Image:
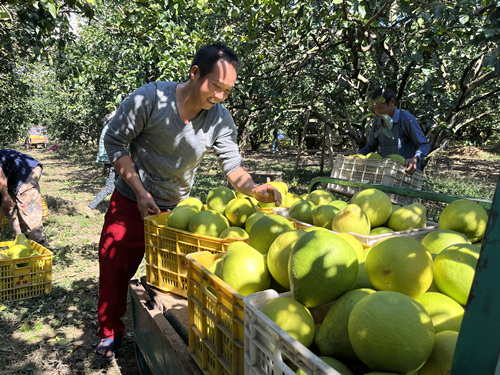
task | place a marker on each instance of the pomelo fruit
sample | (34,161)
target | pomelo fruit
(445,312)
(194,202)
(374,155)
(282,188)
(238,210)
(362,280)
(380,230)
(411,216)
(438,240)
(180,217)
(339,204)
(320,197)
(292,317)
(216,266)
(351,219)
(396,157)
(441,358)
(245,269)
(334,364)
(208,223)
(290,199)
(400,264)
(375,203)
(332,338)
(21,239)
(356,245)
(17,251)
(234,232)
(323,215)
(252,199)
(465,216)
(391,332)
(265,230)
(302,211)
(322,267)
(253,218)
(279,254)
(454,270)
(218,198)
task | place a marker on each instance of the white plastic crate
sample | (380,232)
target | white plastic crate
(268,347)
(375,171)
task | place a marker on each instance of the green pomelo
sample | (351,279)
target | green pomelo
(253,218)
(238,210)
(290,199)
(441,358)
(320,197)
(391,332)
(454,270)
(339,204)
(17,251)
(279,254)
(21,239)
(265,230)
(334,364)
(465,216)
(332,338)
(194,202)
(412,216)
(216,266)
(218,198)
(323,215)
(375,203)
(362,280)
(208,223)
(180,217)
(322,266)
(233,232)
(438,240)
(302,211)
(356,245)
(292,317)
(351,219)
(380,230)
(374,155)
(445,312)
(245,269)
(396,157)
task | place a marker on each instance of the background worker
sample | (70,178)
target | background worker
(20,192)
(156,142)
(408,138)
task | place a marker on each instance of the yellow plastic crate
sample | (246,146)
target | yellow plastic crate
(216,313)
(45,215)
(384,172)
(30,280)
(166,249)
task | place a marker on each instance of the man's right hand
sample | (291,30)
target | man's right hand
(146,205)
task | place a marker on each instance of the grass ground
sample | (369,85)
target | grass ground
(56,333)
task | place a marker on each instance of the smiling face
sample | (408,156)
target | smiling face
(214,87)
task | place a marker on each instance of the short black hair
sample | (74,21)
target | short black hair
(207,56)
(383,92)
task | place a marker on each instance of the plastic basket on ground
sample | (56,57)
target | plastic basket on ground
(25,277)
(216,313)
(166,250)
(268,348)
(374,171)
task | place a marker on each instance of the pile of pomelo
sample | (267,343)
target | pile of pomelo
(395,307)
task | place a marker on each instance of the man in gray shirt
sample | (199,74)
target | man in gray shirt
(156,142)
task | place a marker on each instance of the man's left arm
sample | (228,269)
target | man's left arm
(6,199)
(244,183)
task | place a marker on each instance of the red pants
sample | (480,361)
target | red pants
(121,249)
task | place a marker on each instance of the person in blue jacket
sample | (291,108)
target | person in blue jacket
(408,139)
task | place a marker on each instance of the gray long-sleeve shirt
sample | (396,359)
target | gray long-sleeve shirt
(166,152)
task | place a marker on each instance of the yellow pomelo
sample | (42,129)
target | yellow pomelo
(292,317)
(216,266)
(310,229)
(356,245)
(252,199)
(17,251)
(265,230)
(334,364)
(396,157)
(361,156)
(464,216)
(194,202)
(375,203)
(218,198)
(339,204)
(278,255)
(380,230)
(391,332)
(302,211)
(441,358)
(208,223)
(253,218)
(282,188)
(238,210)
(290,199)
(245,269)
(322,267)
(351,219)
(454,270)
(411,216)
(21,239)
(320,197)
(180,217)
(438,240)
(332,338)
(445,312)
(374,155)
(233,232)
(304,196)
(400,264)
(323,215)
